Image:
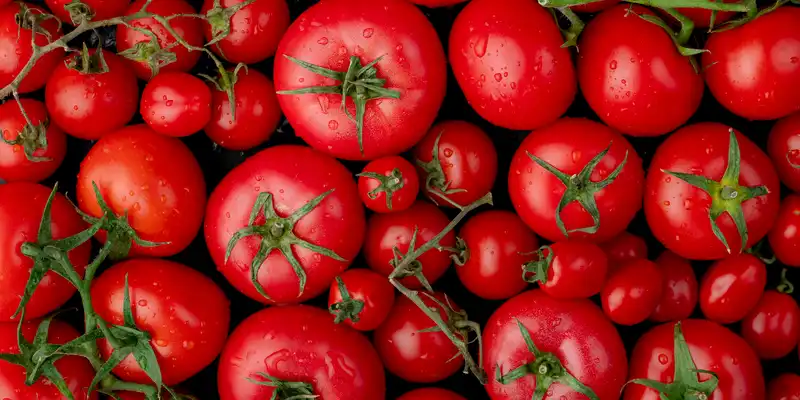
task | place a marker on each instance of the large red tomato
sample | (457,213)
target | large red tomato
(253,31)
(29,152)
(784,237)
(783,147)
(16,49)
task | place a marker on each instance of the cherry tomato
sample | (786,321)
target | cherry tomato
(374,293)
(783,237)
(29,153)
(772,327)
(388,184)
(254,30)
(577,270)
(702,17)
(784,387)
(732,287)
(623,248)
(176,104)
(100,9)
(632,292)
(430,394)
(784,150)
(16,50)
(595,6)
(679,297)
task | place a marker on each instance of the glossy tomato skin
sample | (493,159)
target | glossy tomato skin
(21,208)
(413,63)
(255,30)
(633,76)
(402,198)
(702,17)
(677,212)
(732,287)
(712,346)
(14,165)
(386,231)
(772,327)
(87,106)
(623,248)
(578,270)
(430,394)
(102,9)
(569,144)
(184,311)
(632,292)
(594,7)
(576,331)
(753,69)
(176,104)
(299,344)
(154,178)
(15,43)
(679,297)
(294,175)
(784,387)
(783,237)
(498,243)
(507,58)
(783,147)
(369,287)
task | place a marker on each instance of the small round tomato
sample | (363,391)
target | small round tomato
(785,387)
(783,147)
(251,33)
(388,184)
(772,327)
(176,104)
(784,237)
(496,244)
(99,9)
(679,297)
(595,6)
(732,287)
(16,49)
(185,313)
(702,17)
(29,152)
(457,162)
(623,248)
(365,301)
(430,394)
(632,292)
(570,270)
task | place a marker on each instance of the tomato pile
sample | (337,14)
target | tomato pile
(359,199)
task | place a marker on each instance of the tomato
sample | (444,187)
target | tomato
(678,213)
(253,30)
(507,58)
(100,9)
(702,17)
(88,102)
(437,3)
(29,153)
(430,394)
(594,7)
(388,184)
(783,237)
(783,147)
(496,245)
(385,232)
(184,312)
(732,287)
(143,57)
(753,69)
(299,344)
(679,296)
(573,334)
(16,50)
(21,209)
(350,34)
(785,387)
(305,202)
(623,248)
(153,180)
(369,299)
(632,292)
(772,327)
(570,270)
(176,104)
(457,161)
(570,146)
(712,348)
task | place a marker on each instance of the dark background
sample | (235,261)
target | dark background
(216,163)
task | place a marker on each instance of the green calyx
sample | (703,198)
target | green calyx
(225,82)
(457,322)
(32,138)
(388,184)
(219,18)
(576,25)
(727,195)
(461,252)
(150,52)
(348,308)
(359,82)
(32,19)
(413,268)
(79,12)
(87,63)
(285,390)
(786,286)
(435,180)
(752,13)
(536,270)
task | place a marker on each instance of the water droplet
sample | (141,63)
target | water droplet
(399,47)
(513,85)
(663,359)
(136,206)
(795,60)
(613,64)
(323,41)
(367,33)
(624,82)
(161,343)
(142,303)
(333,125)
(169,103)
(666,203)
(668,179)
(188,344)
(448,152)
(498,77)
(480,46)
(687,204)
(576,155)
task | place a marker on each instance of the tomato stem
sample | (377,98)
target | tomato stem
(786,286)
(348,308)
(704,4)
(536,270)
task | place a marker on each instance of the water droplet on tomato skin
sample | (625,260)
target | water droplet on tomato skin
(333,125)
(663,359)
(323,41)
(498,77)
(613,64)
(367,33)
(161,343)
(142,303)
(480,46)
(666,203)
(448,152)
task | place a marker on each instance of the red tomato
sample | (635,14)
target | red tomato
(21,208)
(176,104)
(772,327)
(184,312)
(783,237)
(430,394)
(29,153)
(574,334)
(396,230)
(784,150)
(632,292)
(153,179)
(16,50)
(190,29)
(732,287)
(753,69)
(678,213)
(784,387)
(371,297)
(633,76)
(437,3)
(497,244)
(90,103)
(253,30)
(679,297)
(456,160)
(571,269)
(100,9)
(594,7)
(570,146)
(507,58)
(299,344)
(702,17)
(340,33)
(388,184)
(287,178)
(623,248)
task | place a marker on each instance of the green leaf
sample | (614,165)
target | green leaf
(146,358)
(114,359)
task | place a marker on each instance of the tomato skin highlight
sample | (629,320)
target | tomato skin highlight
(623,248)
(632,292)
(772,327)
(14,164)
(176,104)
(369,287)
(578,270)
(250,42)
(785,387)
(402,198)
(783,147)
(430,394)
(732,287)
(16,50)
(783,238)
(679,297)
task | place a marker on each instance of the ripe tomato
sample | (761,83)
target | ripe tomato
(783,147)
(753,69)
(100,9)
(744,186)
(16,49)
(437,3)
(176,104)
(496,246)
(456,160)
(784,387)
(632,292)
(430,394)
(88,102)
(600,196)
(253,30)
(184,312)
(594,7)
(29,153)
(679,297)
(341,35)
(783,237)
(732,287)
(772,327)
(369,299)
(623,248)
(142,54)
(307,213)
(574,335)
(507,58)
(702,17)
(153,179)
(385,232)
(388,184)
(21,209)
(299,344)
(570,270)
